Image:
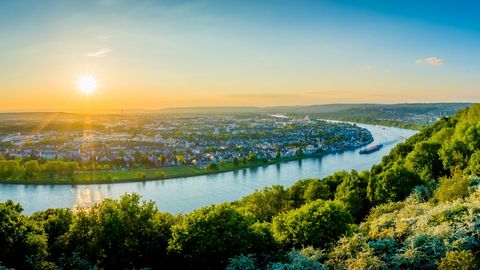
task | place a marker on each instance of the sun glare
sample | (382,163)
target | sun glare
(87,84)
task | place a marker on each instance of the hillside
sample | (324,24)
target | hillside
(321,108)
(408,115)
(418,209)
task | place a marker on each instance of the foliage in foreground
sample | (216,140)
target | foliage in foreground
(420,232)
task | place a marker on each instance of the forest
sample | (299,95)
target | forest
(418,209)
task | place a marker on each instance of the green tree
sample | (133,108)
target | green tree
(334,180)
(252,157)
(208,237)
(235,161)
(21,239)
(56,223)
(124,233)
(54,168)
(297,191)
(317,189)
(392,184)
(180,159)
(31,168)
(455,155)
(353,193)
(162,159)
(9,167)
(212,167)
(318,224)
(71,167)
(122,154)
(424,159)
(264,204)
(474,164)
(244,160)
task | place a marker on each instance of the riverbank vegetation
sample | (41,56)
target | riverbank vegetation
(379,121)
(418,209)
(61,172)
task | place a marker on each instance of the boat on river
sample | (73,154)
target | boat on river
(371,149)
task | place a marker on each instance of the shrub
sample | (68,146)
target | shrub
(212,167)
(297,261)
(141,175)
(242,262)
(452,188)
(458,260)
(353,253)
(426,191)
(385,247)
(160,175)
(419,252)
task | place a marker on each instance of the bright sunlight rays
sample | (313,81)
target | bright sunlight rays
(87,84)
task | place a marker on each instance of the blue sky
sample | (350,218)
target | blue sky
(192,53)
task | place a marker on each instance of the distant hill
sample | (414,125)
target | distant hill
(322,108)
(274,109)
(405,115)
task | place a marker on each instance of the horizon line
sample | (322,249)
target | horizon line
(111,111)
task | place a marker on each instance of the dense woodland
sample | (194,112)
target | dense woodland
(418,209)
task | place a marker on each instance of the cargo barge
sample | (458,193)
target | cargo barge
(371,149)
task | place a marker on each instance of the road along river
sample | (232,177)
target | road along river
(186,194)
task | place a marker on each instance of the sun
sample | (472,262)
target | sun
(87,84)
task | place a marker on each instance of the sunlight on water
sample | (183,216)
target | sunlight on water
(87,197)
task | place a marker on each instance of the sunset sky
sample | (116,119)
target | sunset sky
(156,54)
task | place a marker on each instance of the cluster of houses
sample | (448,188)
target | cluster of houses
(174,141)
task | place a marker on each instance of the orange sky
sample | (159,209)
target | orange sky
(173,54)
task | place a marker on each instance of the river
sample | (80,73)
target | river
(186,194)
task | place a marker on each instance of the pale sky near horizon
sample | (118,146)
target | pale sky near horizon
(156,54)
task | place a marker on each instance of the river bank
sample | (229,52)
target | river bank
(142,175)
